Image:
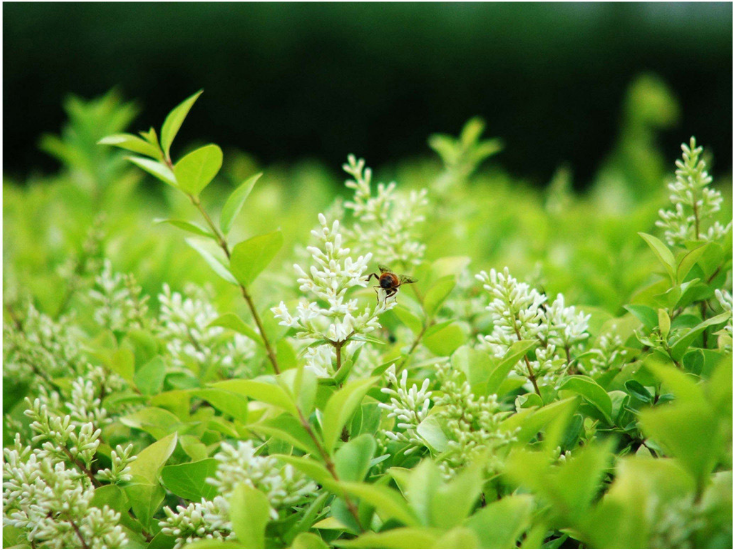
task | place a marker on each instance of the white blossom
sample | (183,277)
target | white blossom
(117,299)
(408,406)
(386,222)
(333,274)
(692,200)
(195,346)
(51,503)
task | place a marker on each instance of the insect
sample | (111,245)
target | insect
(389,282)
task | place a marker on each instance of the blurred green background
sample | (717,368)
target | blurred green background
(286,82)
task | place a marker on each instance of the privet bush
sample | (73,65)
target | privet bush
(557,376)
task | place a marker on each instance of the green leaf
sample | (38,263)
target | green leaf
(251,257)
(196,170)
(591,392)
(188,480)
(132,143)
(664,323)
(445,340)
(260,391)
(689,260)
(234,203)
(307,541)
(234,322)
(637,390)
(288,429)
(191,227)
(353,458)
(340,407)
(410,320)
(150,461)
(500,523)
(214,264)
(173,122)
(402,537)
(155,168)
(149,379)
(122,361)
(388,502)
(437,294)
(156,421)
(680,345)
(645,314)
(193,447)
(663,253)
(515,353)
(249,511)
(314,470)
(233,404)
(145,499)
(687,431)
(452,502)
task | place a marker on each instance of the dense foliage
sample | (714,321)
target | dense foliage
(252,390)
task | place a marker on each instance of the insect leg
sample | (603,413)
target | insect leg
(372,275)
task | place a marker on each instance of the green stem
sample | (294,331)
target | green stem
(329,466)
(221,240)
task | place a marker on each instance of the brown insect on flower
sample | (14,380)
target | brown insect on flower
(389,281)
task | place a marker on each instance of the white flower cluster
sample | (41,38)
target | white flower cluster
(62,437)
(520,313)
(693,201)
(199,520)
(117,299)
(51,504)
(471,423)
(676,523)
(195,346)
(284,486)
(120,471)
(725,299)
(409,406)
(40,348)
(608,353)
(386,223)
(332,276)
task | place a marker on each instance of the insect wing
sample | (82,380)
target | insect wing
(384,269)
(406,280)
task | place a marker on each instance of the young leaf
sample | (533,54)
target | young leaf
(188,480)
(191,227)
(155,168)
(515,353)
(445,340)
(340,407)
(388,502)
(437,294)
(214,264)
(250,512)
(592,392)
(150,461)
(234,322)
(354,457)
(251,257)
(173,123)
(261,391)
(645,314)
(196,170)
(132,143)
(663,253)
(234,203)
(149,379)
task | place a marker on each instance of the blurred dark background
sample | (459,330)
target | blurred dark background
(292,81)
